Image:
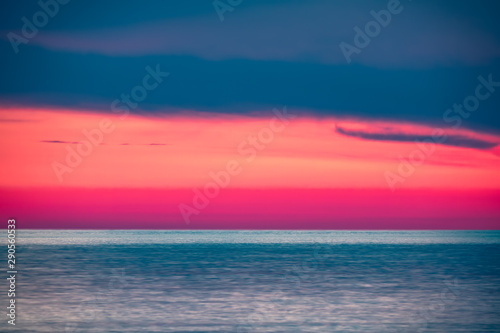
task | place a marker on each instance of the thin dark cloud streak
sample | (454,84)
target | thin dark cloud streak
(121,144)
(59,141)
(451,140)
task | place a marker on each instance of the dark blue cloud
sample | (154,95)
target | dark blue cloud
(420,34)
(280,71)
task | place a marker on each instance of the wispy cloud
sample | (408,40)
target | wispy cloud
(457,140)
(59,141)
(121,144)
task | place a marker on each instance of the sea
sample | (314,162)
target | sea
(254,281)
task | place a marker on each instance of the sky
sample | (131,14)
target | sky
(256,114)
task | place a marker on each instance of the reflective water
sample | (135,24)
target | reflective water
(257,281)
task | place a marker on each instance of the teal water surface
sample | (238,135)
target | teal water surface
(257,281)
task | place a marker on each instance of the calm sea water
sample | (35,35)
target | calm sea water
(257,281)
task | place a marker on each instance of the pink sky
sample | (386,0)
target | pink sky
(302,174)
